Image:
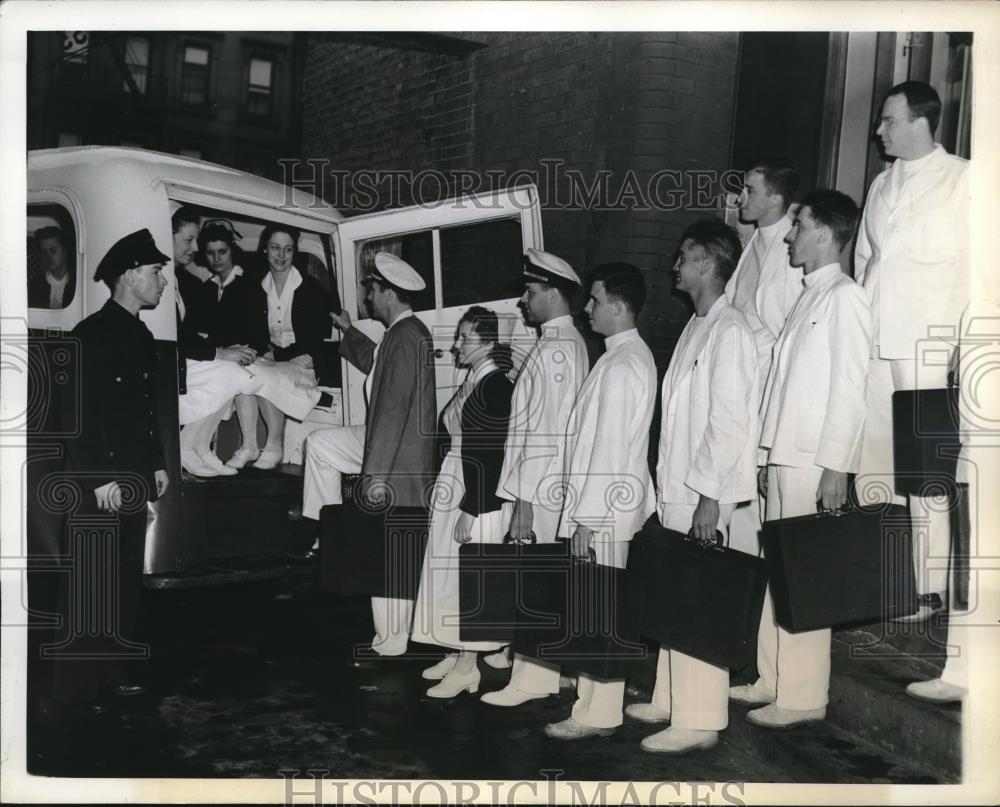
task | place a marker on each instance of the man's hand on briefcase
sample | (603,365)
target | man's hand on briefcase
(762,481)
(832,491)
(371,491)
(705,521)
(463,528)
(521,521)
(580,542)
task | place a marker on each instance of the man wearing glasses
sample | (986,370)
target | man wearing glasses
(911,259)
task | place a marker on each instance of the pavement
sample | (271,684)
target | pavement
(248,680)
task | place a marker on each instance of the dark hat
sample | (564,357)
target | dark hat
(135,249)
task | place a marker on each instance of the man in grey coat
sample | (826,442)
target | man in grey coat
(394,450)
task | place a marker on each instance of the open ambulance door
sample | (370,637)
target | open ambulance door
(468,250)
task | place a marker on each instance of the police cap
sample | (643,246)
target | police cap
(135,249)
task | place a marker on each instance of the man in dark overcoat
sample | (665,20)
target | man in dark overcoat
(115,465)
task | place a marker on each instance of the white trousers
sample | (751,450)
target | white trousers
(599,700)
(795,667)
(745,526)
(875,480)
(210,386)
(526,673)
(695,692)
(330,453)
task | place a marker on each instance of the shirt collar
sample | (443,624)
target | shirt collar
(621,338)
(403,315)
(564,321)
(481,372)
(293,282)
(233,274)
(824,274)
(54,281)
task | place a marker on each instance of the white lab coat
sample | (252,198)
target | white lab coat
(544,394)
(709,429)
(609,486)
(778,286)
(815,404)
(912,256)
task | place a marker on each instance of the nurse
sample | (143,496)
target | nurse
(465,506)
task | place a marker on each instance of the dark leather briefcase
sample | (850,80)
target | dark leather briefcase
(925,439)
(374,552)
(833,569)
(703,601)
(491,586)
(578,616)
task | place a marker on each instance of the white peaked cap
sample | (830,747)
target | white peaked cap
(546,267)
(398,272)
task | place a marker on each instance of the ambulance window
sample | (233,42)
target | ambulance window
(417,249)
(51,266)
(481,262)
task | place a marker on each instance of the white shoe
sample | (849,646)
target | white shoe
(455,683)
(936,691)
(242,457)
(510,696)
(268,460)
(441,669)
(750,695)
(571,729)
(195,465)
(773,716)
(679,741)
(499,660)
(214,462)
(647,713)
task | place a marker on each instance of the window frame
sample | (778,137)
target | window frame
(142,86)
(248,88)
(186,67)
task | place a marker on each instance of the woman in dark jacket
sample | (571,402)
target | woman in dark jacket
(287,321)
(465,505)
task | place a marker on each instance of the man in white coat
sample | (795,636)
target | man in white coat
(533,466)
(610,491)
(814,419)
(707,464)
(911,259)
(763,288)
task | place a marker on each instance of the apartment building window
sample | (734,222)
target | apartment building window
(137,62)
(259,86)
(195,75)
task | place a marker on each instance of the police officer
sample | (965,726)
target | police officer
(115,461)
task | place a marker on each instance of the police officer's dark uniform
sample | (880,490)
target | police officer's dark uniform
(117,440)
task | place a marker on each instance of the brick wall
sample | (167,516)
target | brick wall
(626,104)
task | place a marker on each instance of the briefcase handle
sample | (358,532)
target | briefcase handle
(718,543)
(531,539)
(847,508)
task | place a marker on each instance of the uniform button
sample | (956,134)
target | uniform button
(145,375)
(118,379)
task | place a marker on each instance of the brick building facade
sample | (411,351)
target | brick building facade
(614,108)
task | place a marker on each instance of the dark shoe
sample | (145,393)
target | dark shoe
(927,606)
(125,690)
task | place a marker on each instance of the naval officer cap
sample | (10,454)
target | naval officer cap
(396,272)
(544,267)
(134,250)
